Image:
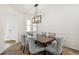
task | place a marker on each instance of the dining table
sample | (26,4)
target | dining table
(43,41)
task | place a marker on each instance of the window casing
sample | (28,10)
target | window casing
(28,26)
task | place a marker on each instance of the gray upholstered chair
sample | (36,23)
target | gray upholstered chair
(55,49)
(34,48)
(51,34)
(23,42)
(43,33)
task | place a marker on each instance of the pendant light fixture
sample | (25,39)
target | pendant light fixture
(37,18)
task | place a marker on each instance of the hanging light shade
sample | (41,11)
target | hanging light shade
(36,18)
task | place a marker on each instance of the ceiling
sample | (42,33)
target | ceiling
(29,9)
(22,8)
(43,9)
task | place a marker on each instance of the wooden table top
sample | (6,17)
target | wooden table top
(45,39)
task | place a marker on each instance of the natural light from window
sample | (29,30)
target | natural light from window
(34,27)
(28,25)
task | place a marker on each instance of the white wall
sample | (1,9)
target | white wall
(13,24)
(1,31)
(63,20)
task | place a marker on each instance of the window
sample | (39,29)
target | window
(28,25)
(34,27)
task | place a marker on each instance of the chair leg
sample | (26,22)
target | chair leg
(28,53)
(61,54)
(23,49)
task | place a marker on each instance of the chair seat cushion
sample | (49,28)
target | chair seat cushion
(37,49)
(52,49)
(54,43)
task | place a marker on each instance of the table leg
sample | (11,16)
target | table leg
(45,52)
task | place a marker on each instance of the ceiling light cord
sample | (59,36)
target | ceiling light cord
(36,9)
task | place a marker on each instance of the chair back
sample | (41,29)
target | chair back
(59,45)
(23,40)
(43,33)
(51,34)
(31,43)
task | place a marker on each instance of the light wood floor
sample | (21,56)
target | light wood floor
(15,50)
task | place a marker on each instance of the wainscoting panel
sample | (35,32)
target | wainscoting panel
(70,40)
